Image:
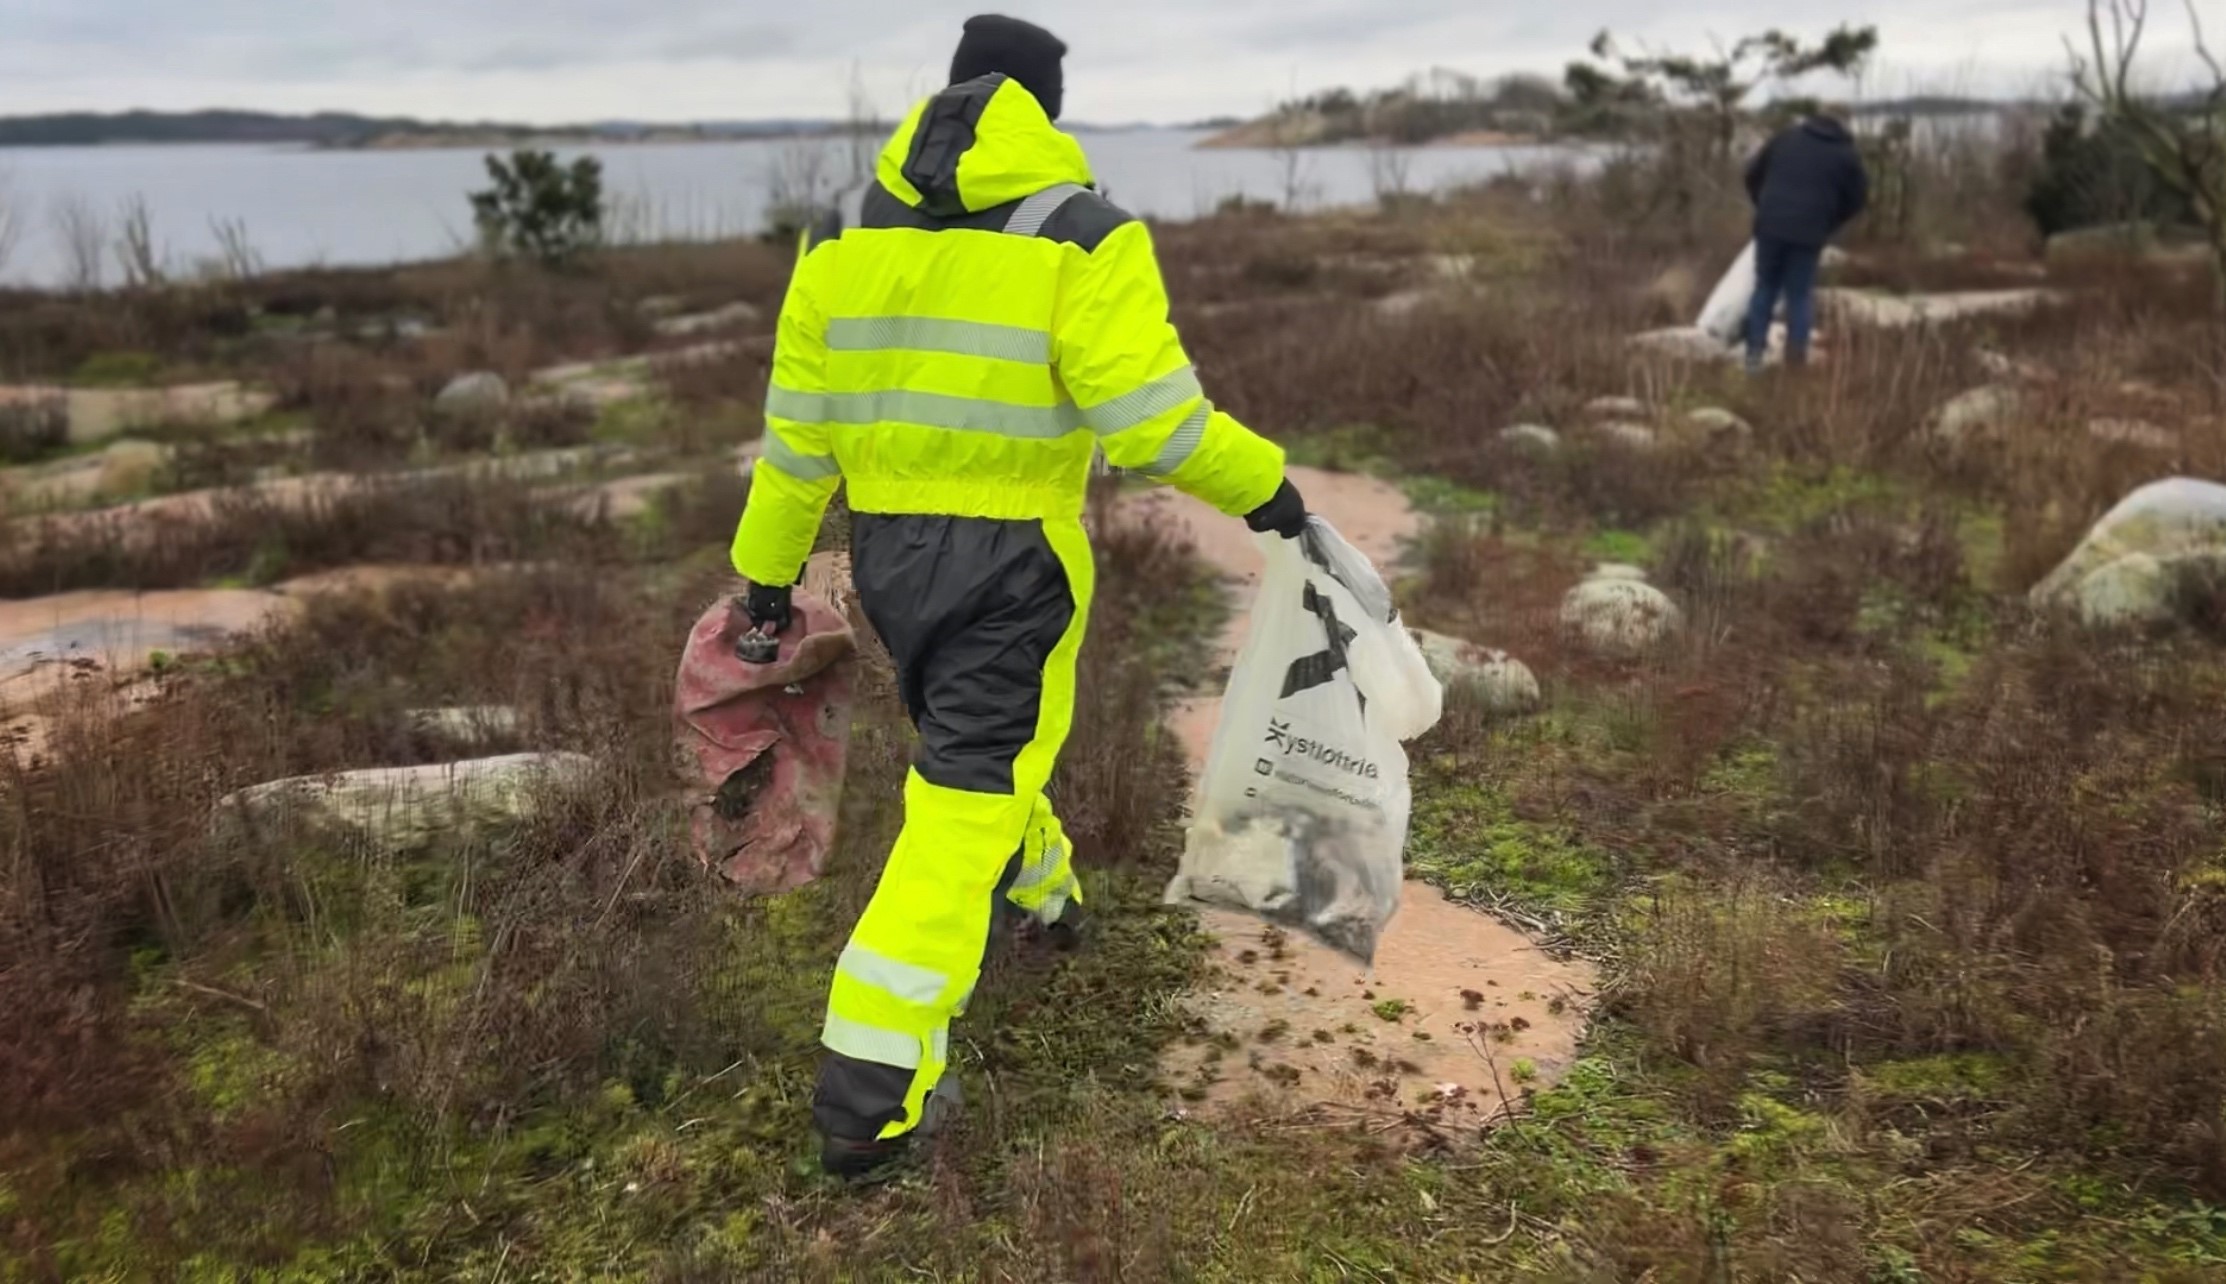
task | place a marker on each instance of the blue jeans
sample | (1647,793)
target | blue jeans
(1783,268)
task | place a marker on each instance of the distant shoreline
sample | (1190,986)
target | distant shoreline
(1255,137)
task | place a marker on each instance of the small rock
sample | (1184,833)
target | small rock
(660,306)
(468,724)
(1450,267)
(2003,366)
(1685,343)
(1629,435)
(475,393)
(1618,571)
(1619,615)
(2133,432)
(1976,411)
(1615,408)
(1720,424)
(1401,303)
(1534,439)
(404,808)
(1499,682)
(728,317)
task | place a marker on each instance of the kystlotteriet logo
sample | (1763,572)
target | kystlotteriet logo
(1321,751)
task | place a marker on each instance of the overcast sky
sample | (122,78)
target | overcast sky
(1157,60)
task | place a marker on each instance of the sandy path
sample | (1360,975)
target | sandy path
(1460,1013)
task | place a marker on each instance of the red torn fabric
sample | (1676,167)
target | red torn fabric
(767,744)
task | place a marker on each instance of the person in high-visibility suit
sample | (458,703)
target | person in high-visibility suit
(956,359)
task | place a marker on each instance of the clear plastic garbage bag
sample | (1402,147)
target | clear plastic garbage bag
(1724,317)
(1302,809)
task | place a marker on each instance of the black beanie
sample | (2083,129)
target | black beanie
(1021,50)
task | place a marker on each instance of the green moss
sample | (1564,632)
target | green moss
(1791,498)
(634,421)
(1390,1009)
(1619,546)
(1968,1076)
(231,1070)
(1442,498)
(1467,840)
(117,370)
(1748,770)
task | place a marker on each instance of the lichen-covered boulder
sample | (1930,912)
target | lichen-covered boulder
(405,808)
(1616,408)
(2162,541)
(482,392)
(1497,682)
(1535,439)
(1616,613)
(1976,412)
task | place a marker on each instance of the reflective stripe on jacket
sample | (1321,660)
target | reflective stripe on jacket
(965,350)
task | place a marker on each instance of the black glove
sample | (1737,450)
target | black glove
(768,608)
(1284,514)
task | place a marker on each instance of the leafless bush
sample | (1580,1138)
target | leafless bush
(237,258)
(2184,147)
(11,221)
(137,254)
(861,127)
(798,185)
(1390,171)
(1293,165)
(82,234)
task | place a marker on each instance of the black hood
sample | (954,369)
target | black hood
(1826,128)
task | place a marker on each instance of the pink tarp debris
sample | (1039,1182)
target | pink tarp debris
(767,744)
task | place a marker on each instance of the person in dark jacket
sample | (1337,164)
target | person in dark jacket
(1806,184)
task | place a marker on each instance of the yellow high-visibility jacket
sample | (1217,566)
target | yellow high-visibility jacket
(963,352)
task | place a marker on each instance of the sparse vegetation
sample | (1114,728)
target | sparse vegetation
(1906,899)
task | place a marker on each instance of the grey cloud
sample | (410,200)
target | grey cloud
(1136,59)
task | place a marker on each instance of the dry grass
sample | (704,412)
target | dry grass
(1910,901)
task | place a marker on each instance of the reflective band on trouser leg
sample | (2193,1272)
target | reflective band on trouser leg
(917,951)
(1047,883)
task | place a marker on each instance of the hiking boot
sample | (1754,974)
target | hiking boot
(861,1162)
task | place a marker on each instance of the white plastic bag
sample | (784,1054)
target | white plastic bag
(1724,317)
(1302,810)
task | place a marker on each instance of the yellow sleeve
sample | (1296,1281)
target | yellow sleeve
(1121,360)
(796,473)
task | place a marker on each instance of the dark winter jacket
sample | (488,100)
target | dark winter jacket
(1807,183)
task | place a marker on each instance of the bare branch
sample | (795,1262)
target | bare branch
(11,221)
(82,233)
(136,252)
